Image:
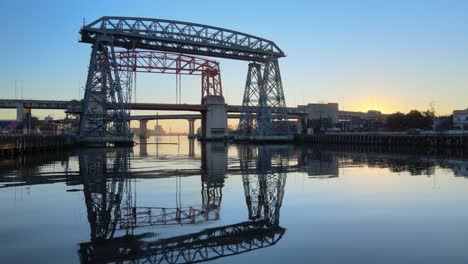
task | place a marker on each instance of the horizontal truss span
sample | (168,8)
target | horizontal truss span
(173,63)
(164,62)
(181,37)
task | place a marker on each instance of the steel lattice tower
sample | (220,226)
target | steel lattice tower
(264,110)
(107,91)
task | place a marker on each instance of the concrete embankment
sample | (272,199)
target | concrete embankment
(459,141)
(11,145)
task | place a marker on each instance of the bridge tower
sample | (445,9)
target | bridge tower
(104,118)
(264,112)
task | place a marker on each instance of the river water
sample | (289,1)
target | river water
(179,202)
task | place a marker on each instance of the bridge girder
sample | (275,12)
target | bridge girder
(181,37)
(173,63)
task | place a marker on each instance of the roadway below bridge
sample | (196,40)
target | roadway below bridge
(24,107)
(74,106)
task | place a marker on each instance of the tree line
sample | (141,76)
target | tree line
(412,120)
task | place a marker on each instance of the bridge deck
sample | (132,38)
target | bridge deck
(74,104)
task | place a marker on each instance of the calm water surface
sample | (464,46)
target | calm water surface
(188,202)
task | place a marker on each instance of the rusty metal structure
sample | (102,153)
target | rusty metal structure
(173,63)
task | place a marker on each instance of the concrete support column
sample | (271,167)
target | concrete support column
(27,126)
(191,133)
(191,148)
(143,147)
(214,120)
(143,128)
(19,112)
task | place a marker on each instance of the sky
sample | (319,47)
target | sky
(393,55)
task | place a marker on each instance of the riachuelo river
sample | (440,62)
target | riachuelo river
(190,202)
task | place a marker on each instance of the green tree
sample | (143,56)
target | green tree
(416,119)
(412,120)
(445,123)
(396,121)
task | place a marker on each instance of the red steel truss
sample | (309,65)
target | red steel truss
(173,63)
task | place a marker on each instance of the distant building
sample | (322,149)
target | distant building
(366,121)
(159,130)
(326,117)
(48,118)
(373,114)
(321,111)
(320,117)
(460,119)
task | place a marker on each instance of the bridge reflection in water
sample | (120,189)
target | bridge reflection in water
(114,217)
(122,230)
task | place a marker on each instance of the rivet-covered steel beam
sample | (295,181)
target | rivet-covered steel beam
(181,37)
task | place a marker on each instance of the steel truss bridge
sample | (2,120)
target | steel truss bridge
(109,81)
(111,211)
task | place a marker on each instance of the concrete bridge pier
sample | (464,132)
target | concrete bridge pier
(191,134)
(214,120)
(143,128)
(192,148)
(19,112)
(143,147)
(24,114)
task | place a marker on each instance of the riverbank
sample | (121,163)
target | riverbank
(11,145)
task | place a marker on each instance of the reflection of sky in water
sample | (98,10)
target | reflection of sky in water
(338,206)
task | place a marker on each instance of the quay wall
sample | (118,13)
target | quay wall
(458,141)
(11,145)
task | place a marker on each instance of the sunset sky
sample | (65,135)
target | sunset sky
(393,55)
